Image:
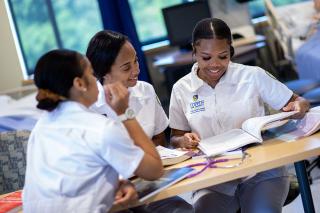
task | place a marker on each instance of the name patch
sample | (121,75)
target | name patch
(197,106)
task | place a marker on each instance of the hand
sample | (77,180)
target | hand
(117,96)
(190,140)
(125,194)
(298,104)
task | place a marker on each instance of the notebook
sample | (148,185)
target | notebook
(147,189)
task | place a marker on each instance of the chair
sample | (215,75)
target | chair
(294,190)
(13,146)
(313,96)
(303,86)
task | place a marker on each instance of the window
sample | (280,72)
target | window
(43,25)
(256,7)
(148,19)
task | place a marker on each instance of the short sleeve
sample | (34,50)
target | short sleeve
(177,118)
(161,119)
(272,91)
(118,150)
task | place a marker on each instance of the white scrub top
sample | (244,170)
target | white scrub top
(73,160)
(239,95)
(144,101)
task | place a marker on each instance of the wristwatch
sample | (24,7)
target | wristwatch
(128,114)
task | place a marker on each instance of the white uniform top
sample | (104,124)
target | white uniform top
(144,101)
(240,94)
(73,161)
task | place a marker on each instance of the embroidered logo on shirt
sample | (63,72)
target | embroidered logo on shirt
(196,105)
(195,98)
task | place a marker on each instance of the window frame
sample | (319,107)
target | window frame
(156,39)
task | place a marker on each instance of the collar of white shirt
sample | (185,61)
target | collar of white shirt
(197,82)
(101,96)
(135,92)
(71,107)
(138,91)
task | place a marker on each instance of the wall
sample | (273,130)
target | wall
(10,67)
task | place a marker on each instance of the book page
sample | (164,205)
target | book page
(224,142)
(166,153)
(254,125)
(315,109)
(302,128)
(309,124)
(297,128)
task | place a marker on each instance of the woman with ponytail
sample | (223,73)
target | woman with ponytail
(75,156)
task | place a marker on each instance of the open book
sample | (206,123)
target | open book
(294,129)
(146,189)
(172,156)
(250,132)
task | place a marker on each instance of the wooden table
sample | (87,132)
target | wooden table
(273,153)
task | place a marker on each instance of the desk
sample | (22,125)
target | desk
(176,64)
(273,153)
(180,58)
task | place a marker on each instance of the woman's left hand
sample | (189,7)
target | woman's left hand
(125,194)
(299,104)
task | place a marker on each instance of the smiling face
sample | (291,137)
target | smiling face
(213,57)
(125,68)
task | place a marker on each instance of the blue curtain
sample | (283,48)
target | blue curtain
(117,16)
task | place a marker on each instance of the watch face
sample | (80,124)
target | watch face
(130,113)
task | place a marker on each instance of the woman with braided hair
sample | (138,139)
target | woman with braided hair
(219,95)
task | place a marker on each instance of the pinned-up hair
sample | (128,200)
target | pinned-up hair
(54,75)
(212,28)
(103,50)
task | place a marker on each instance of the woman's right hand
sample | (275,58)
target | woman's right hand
(189,140)
(184,139)
(125,194)
(117,96)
